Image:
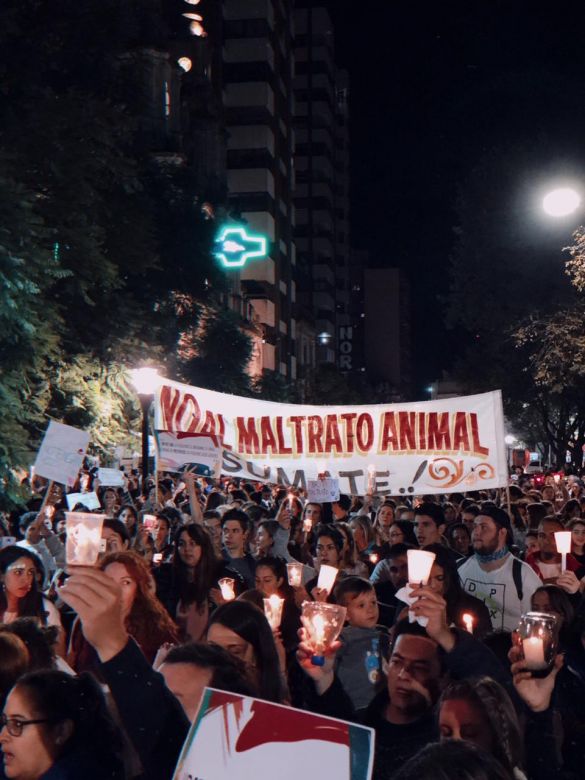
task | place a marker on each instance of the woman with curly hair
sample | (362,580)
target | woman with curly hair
(145,618)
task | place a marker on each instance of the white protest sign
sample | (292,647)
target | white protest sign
(323,491)
(194,452)
(7,541)
(236,736)
(89,500)
(61,453)
(111,477)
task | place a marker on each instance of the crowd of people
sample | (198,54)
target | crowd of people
(102,668)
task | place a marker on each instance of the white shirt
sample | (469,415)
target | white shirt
(498,591)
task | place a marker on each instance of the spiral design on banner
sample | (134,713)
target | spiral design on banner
(446,470)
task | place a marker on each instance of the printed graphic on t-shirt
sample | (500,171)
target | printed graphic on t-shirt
(493,595)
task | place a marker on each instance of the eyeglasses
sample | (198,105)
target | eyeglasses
(14,726)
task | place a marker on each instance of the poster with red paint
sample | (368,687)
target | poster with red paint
(237,736)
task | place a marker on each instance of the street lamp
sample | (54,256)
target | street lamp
(146,381)
(561,202)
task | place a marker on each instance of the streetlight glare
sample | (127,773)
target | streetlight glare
(510,439)
(561,202)
(146,380)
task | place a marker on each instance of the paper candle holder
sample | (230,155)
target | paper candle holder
(273,611)
(226,585)
(420,563)
(322,624)
(295,574)
(537,637)
(563,540)
(84,536)
(327,577)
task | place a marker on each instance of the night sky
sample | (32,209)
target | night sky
(435,88)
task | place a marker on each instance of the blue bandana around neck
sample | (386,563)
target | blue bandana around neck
(495,556)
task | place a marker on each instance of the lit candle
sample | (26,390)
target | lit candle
(295,574)
(374,558)
(468,620)
(322,624)
(226,585)
(327,577)
(307,525)
(420,563)
(319,632)
(83,538)
(533,648)
(563,543)
(273,610)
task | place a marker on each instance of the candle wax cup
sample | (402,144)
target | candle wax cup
(533,648)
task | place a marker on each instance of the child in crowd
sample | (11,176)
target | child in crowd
(364,643)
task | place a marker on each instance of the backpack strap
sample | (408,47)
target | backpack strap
(517,577)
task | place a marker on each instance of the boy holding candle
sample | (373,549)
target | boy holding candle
(364,643)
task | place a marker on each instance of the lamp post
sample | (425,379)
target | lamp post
(561,202)
(146,381)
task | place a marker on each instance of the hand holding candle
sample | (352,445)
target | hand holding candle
(226,585)
(327,577)
(84,536)
(322,624)
(563,543)
(295,574)
(537,636)
(273,611)
(420,563)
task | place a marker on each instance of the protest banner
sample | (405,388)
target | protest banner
(237,736)
(61,453)
(89,500)
(111,477)
(443,446)
(196,452)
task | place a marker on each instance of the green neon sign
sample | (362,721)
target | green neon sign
(235,246)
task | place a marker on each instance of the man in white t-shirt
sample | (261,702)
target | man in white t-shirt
(504,583)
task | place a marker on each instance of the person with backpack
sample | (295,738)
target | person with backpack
(503,582)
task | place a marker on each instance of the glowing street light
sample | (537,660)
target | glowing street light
(510,439)
(561,202)
(146,381)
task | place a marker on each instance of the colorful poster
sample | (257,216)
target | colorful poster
(196,452)
(444,446)
(61,453)
(239,737)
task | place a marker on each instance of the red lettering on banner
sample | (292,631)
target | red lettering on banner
(315,434)
(460,433)
(192,416)
(439,433)
(297,423)
(365,432)
(208,426)
(478,448)
(389,437)
(422,431)
(169,399)
(267,437)
(407,427)
(349,420)
(248,441)
(332,435)
(282,448)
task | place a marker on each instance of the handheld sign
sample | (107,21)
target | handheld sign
(194,452)
(111,477)
(89,500)
(236,736)
(323,491)
(61,453)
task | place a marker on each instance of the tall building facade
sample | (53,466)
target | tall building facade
(257,62)
(322,180)
(387,331)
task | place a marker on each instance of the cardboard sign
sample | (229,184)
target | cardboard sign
(194,452)
(61,453)
(89,500)
(237,736)
(323,491)
(111,477)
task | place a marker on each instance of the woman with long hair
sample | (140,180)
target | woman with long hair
(271,580)
(480,711)
(577,529)
(145,618)
(58,726)
(128,515)
(385,516)
(242,629)
(350,564)
(20,595)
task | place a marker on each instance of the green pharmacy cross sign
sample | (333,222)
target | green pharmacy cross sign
(235,246)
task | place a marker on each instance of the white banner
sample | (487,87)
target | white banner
(61,453)
(194,452)
(446,446)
